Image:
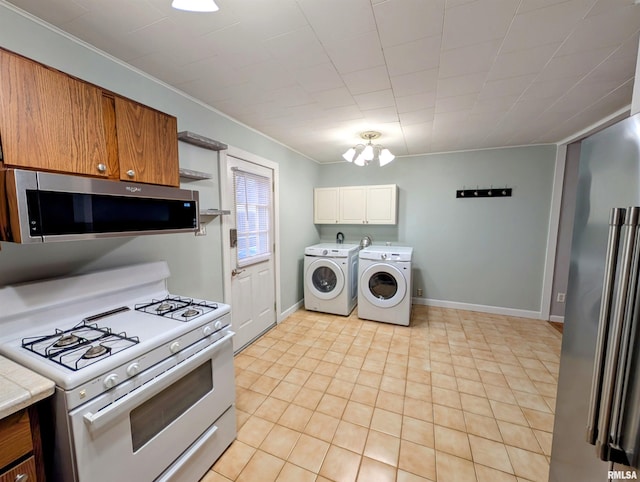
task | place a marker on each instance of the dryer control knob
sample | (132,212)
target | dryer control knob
(383,255)
(325,252)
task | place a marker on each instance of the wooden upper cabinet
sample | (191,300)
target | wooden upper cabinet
(147,144)
(49,120)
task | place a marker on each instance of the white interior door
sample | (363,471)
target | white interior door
(250,237)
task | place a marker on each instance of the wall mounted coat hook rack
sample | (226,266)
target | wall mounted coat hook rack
(476,193)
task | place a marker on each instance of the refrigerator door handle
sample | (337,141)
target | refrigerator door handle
(616,219)
(625,364)
(615,335)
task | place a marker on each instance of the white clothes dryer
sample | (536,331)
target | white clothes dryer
(331,278)
(384,284)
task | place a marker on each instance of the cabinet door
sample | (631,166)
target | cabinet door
(325,205)
(382,204)
(48,120)
(353,205)
(147,144)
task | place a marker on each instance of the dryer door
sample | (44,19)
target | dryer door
(324,278)
(383,285)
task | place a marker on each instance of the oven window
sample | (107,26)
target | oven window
(157,413)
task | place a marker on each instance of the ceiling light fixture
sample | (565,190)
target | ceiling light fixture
(195,5)
(363,155)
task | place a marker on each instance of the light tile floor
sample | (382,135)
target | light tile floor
(457,396)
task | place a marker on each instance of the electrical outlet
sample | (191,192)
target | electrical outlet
(419,291)
(202,231)
(561,297)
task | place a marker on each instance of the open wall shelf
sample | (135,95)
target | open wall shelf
(214,212)
(195,175)
(201,141)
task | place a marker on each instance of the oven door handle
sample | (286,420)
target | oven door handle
(96,421)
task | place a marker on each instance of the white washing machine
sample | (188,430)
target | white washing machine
(384,284)
(331,278)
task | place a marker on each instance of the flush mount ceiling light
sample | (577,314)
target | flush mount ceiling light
(195,5)
(363,155)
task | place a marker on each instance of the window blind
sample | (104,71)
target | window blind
(253,212)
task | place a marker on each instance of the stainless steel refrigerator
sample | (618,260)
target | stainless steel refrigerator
(597,421)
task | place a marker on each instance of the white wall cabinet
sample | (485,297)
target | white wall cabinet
(325,205)
(356,205)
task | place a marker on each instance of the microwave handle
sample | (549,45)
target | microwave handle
(96,421)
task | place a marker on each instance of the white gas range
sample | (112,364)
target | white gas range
(143,377)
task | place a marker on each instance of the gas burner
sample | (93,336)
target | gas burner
(66,340)
(79,346)
(189,313)
(164,306)
(95,352)
(180,309)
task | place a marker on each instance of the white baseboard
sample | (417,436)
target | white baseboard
(496,310)
(288,312)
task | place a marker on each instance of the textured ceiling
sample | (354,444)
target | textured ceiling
(430,75)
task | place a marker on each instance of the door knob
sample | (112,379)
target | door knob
(236,272)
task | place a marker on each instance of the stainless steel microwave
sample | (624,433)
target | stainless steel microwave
(38,207)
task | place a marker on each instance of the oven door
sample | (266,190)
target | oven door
(139,435)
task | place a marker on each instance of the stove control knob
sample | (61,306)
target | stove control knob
(218,325)
(174,347)
(206,331)
(133,369)
(111,381)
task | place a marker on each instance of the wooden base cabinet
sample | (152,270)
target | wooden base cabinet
(21,448)
(24,472)
(51,121)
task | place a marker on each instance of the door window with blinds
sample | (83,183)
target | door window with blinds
(253,213)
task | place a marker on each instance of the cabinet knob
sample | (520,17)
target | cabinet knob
(131,173)
(102,168)
(21,478)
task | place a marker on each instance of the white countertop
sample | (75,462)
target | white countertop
(20,387)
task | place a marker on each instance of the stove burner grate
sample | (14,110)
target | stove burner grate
(79,346)
(177,308)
